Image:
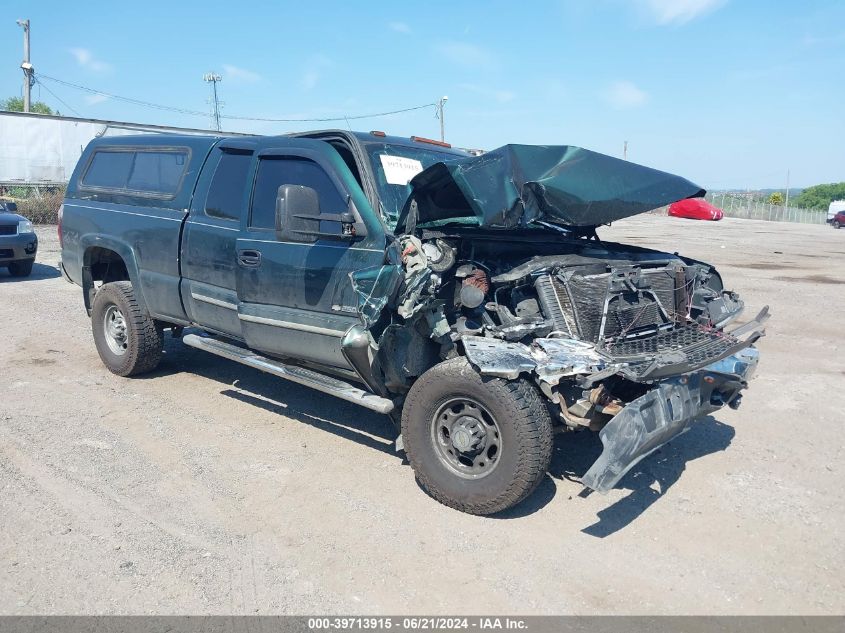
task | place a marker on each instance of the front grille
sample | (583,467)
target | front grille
(630,312)
(6,253)
(662,283)
(697,343)
(8,229)
(588,294)
(554,299)
(582,299)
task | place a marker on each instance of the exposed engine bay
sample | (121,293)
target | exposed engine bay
(607,331)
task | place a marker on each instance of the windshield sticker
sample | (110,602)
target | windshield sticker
(398,170)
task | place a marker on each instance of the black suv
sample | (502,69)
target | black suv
(18,242)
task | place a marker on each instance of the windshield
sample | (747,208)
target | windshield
(394,165)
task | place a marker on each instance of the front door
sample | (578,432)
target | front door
(209,269)
(295,298)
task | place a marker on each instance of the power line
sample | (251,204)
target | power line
(119,98)
(328,119)
(231,116)
(57,98)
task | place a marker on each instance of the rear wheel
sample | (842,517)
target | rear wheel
(22,268)
(477,444)
(128,340)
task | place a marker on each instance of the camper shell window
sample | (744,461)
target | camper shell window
(155,172)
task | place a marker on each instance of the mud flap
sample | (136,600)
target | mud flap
(642,427)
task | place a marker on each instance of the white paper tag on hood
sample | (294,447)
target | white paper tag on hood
(398,170)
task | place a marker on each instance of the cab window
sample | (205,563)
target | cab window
(276,172)
(226,192)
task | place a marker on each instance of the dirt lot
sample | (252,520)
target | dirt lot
(211,488)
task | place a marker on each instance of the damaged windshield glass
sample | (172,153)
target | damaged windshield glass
(394,165)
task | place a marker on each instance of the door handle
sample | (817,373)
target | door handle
(249,258)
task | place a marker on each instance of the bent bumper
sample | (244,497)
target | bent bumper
(668,410)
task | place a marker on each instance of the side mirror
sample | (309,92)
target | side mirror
(298,218)
(297,214)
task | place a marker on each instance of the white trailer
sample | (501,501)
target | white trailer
(42,149)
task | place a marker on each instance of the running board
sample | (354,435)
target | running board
(294,373)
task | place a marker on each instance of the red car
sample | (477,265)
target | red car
(838,220)
(695,209)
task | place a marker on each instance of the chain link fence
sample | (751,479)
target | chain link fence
(740,206)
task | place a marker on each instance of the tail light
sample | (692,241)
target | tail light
(61,213)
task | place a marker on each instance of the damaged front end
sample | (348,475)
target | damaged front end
(630,342)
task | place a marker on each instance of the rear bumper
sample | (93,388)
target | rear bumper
(668,410)
(18,247)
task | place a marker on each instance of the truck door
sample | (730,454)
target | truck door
(209,260)
(295,298)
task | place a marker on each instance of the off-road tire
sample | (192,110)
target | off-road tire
(21,268)
(526,433)
(144,337)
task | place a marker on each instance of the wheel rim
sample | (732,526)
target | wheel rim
(114,329)
(466,438)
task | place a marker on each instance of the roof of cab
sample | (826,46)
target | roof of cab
(157,140)
(369,137)
(204,142)
(207,140)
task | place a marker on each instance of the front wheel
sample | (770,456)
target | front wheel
(21,268)
(128,340)
(477,444)
(836,224)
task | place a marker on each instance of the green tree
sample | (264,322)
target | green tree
(820,196)
(15,104)
(776,198)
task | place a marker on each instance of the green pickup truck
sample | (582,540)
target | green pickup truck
(469,298)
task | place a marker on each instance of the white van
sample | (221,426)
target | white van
(835,207)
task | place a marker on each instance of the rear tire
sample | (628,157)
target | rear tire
(477,444)
(128,339)
(22,268)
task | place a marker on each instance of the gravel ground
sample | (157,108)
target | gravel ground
(210,488)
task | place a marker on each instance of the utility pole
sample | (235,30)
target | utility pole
(625,150)
(213,78)
(440,105)
(28,70)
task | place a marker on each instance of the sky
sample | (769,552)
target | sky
(728,93)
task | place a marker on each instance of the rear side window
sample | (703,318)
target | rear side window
(154,172)
(275,172)
(109,169)
(226,193)
(159,172)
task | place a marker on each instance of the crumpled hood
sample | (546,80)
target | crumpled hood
(517,184)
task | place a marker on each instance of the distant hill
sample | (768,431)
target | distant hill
(793,191)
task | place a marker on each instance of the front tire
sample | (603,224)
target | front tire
(21,268)
(836,224)
(477,444)
(128,340)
